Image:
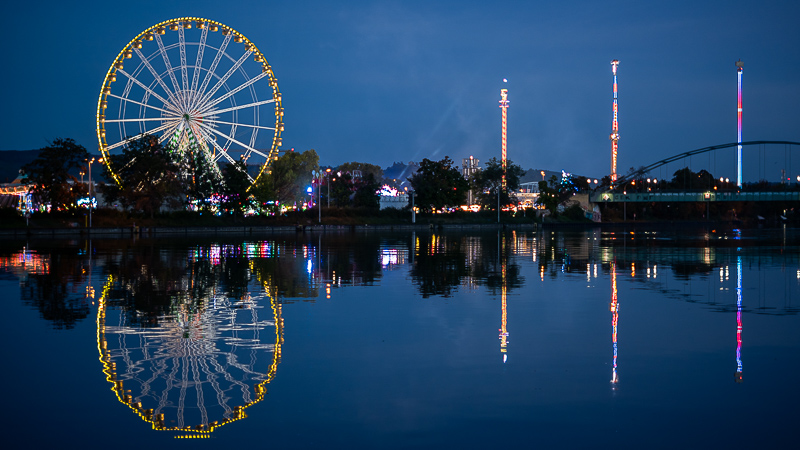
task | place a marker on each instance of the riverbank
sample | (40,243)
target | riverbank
(243,230)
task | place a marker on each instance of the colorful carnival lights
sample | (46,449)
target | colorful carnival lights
(504,107)
(739,65)
(614,126)
(614,307)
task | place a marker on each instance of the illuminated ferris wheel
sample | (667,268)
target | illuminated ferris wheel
(204,89)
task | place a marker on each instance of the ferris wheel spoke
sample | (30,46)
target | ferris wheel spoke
(222,151)
(232,139)
(168,133)
(240,124)
(138,136)
(225,77)
(143,119)
(182,47)
(150,91)
(218,100)
(215,63)
(200,51)
(170,113)
(210,139)
(155,74)
(165,57)
(248,105)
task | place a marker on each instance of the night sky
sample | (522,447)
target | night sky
(386,81)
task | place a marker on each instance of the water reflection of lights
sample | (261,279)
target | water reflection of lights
(215,252)
(739,319)
(26,262)
(504,316)
(389,256)
(614,318)
(215,352)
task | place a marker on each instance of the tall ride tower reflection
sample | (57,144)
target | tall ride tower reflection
(504,315)
(614,317)
(501,244)
(738,376)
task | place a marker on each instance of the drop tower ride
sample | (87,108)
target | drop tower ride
(614,126)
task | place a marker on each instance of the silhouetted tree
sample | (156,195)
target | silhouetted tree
(287,178)
(50,172)
(236,198)
(438,184)
(489,180)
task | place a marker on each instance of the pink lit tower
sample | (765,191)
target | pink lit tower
(739,65)
(504,107)
(614,127)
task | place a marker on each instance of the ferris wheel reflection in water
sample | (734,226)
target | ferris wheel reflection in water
(201,365)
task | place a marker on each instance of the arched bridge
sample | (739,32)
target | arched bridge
(619,194)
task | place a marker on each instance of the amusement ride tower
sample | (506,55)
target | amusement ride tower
(614,126)
(739,65)
(504,107)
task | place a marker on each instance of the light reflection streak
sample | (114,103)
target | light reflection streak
(614,318)
(739,319)
(26,262)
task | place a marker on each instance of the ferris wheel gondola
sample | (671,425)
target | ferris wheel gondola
(202,88)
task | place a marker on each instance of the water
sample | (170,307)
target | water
(643,339)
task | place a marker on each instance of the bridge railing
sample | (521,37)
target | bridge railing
(710,196)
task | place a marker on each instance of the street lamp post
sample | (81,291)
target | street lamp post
(413,209)
(91,198)
(317,174)
(328,182)
(498,205)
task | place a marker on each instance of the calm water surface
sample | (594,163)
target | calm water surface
(573,339)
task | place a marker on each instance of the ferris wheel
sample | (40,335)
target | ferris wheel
(202,88)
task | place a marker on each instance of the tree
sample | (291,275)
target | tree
(287,178)
(548,197)
(363,168)
(235,182)
(149,176)
(202,174)
(349,188)
(341,189)
(488,181)
(366,195)
(687,179)
(438,184)
(50,172)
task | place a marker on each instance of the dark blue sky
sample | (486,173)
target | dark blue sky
(385,81)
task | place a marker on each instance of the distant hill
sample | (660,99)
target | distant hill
(13,160)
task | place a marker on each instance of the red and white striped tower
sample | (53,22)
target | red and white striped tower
(504,107)
(614,127)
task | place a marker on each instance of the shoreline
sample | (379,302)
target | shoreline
(257,230)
